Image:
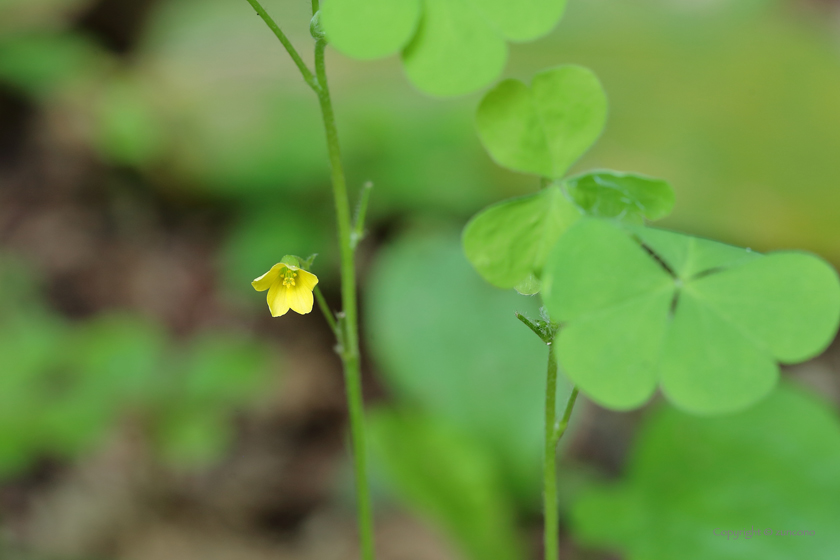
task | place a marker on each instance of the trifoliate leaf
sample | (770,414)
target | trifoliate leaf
(628,197)
(693,480)
(508,242)
(543,129)
(705,320)
(458,46)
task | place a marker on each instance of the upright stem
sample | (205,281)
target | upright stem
(552,548)
(348,329)
(553,432)
(350,350)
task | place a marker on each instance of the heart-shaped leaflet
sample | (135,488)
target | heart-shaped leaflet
(708,322)
(508,242)
(543,129)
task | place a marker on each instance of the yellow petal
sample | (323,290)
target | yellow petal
(306,280)
(278,300)
(299,299)
(265,281)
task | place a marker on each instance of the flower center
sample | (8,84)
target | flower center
(289,278)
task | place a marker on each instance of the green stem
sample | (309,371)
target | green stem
(304,70)
(553,433)
(539,328)
(325,309)
(564,423)
(352,366)
(550,536)
(349,330)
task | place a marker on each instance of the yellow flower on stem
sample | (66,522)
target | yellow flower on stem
(289,287)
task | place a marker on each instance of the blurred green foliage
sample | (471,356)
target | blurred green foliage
(37,63)
(773,467)
(446,475)
(65,387)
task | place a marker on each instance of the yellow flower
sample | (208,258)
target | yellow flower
(289,287)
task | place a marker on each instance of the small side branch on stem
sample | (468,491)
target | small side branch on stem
(358,232)
(308,77)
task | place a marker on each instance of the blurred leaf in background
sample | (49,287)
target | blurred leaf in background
(29,338)
(217,374)
(129,130)
(772,467)
(449,345)
(38,63)
(447,476)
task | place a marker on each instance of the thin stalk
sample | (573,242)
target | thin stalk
(304,69)
(350,354)
(539,328)
(564,423)
(550,536)
(553,433)
(348,329)
(325,309)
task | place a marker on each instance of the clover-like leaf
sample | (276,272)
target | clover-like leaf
(509,242)
(370,28)
(693,483)
(629,197)
(707,321)
(545,128)
(449,47)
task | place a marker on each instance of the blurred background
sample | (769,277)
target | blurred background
(157,155)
